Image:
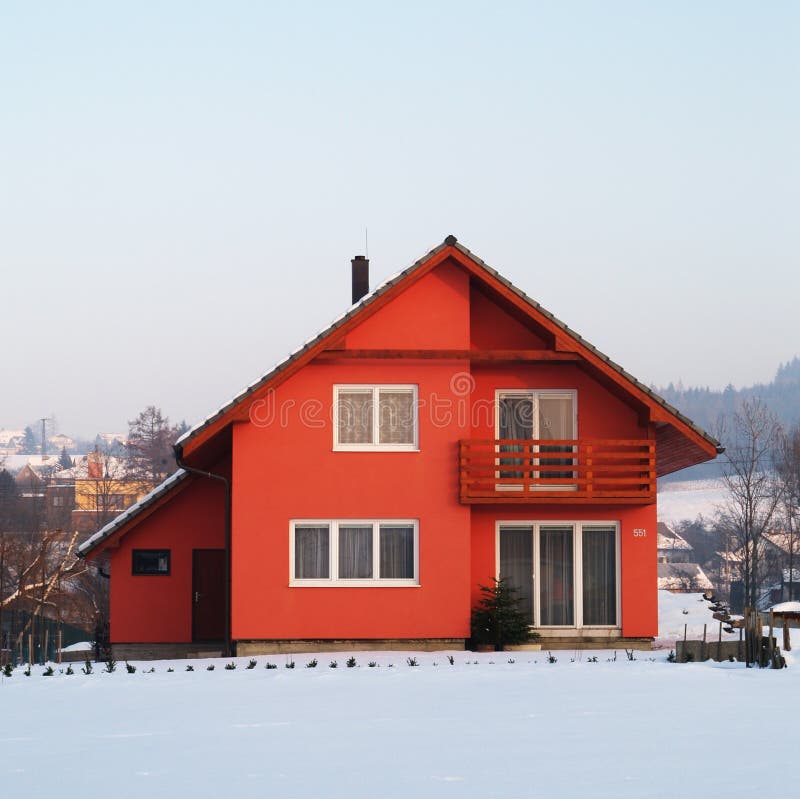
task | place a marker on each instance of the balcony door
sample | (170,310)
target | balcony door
(536,416)
(566,574)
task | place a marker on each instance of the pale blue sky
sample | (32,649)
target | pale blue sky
(182,184)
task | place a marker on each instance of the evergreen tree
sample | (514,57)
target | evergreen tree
(8,501)
(64,460)
(498,617)
(29,443)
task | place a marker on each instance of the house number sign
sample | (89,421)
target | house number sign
(639,532)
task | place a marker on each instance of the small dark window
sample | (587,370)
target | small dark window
(151,561)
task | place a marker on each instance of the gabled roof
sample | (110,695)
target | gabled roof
(679,428)
(682,442)
(130,514)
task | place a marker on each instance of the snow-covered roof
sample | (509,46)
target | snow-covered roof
(7,436)
(674,542)
(786,607)
(113,468)
(669,539)
(131,512)
(682,577)
(450,241)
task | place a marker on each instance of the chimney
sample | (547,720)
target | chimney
(360,277)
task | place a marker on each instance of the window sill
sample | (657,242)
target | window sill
(376,448)
(353,584)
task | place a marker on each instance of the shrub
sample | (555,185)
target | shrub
(27,671)
(270,666)
(7,670)
(333,664)
(551,658)
(87,667)
(372,664)
(210,667)
(252,664)
(498,618)
(111,666)
(451,660)
(671,658)
(70,671)
(170,670)
(48,672)
(351,662)
(190,667)
(312,664)
(289,664)
(230,666)
(129,668)
(412,661)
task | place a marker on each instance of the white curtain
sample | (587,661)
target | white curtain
(397,552)
(355,552)
(396,416)
(599,576)
(311,552)
(354,415)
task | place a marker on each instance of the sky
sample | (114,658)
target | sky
(183,184)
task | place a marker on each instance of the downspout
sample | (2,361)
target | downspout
(178,449)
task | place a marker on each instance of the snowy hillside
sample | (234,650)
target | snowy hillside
(688,499)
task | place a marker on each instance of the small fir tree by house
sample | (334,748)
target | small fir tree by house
(498,618)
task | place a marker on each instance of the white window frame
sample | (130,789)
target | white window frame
(375,446)
(333,554)
(577,568)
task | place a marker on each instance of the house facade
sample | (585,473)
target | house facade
(445,431)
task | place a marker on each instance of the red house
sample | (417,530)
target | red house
(445,430)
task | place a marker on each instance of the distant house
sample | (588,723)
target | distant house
(100,490)
(59,441)
(11,439)
(677,569)
(778,553)
(444,431)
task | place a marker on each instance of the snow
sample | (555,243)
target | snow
(688,499)
(81,646)
(677,610)
(483,727)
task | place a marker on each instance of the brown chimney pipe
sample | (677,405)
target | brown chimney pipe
(360,266)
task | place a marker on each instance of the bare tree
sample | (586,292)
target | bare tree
(38,572)
(751,437)
(150,440)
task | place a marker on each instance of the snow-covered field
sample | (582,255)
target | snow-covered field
(482,727)
(688,499)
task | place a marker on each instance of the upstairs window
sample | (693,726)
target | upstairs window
(375,417)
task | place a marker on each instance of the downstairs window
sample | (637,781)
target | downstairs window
(354,553)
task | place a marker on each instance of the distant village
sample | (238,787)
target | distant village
(56,491)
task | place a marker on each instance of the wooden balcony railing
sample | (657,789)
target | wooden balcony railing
(557,471)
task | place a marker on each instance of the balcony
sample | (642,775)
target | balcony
(617,471)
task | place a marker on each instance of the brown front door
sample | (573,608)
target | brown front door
(208,594)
